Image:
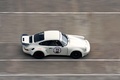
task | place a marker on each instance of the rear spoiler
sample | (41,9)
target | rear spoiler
(25,39)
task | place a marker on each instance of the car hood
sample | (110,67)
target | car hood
(76,41)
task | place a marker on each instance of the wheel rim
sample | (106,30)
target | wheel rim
(76,55)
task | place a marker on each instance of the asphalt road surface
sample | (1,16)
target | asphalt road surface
(59,5)
(61,78)
(102,31)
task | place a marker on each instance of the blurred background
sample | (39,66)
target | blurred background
(97,20)
(102,30)
(59,5)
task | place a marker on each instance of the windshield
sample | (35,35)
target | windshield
(38,37)
(64,39)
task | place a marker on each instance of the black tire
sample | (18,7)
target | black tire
(38,55)
(76,55)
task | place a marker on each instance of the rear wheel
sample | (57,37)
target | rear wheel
(76,55)
(38,55)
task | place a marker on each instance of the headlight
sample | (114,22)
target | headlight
(84,48)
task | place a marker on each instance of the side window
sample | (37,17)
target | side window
(48,43)
(45,43)
(58,43)
(51,43)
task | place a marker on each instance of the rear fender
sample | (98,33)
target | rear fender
(40,49)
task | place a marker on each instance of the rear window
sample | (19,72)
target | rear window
(39,37)
(30,39)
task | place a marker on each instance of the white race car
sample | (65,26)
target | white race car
(53,42)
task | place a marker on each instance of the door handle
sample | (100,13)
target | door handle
(50,48)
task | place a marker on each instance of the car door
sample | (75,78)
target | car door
(54,47)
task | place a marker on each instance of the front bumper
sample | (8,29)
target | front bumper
(87,48)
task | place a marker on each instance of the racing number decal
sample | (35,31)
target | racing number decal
(57,50)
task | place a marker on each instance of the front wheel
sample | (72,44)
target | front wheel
(76,55)
(38,55)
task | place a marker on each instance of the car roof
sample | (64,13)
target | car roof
(52,35)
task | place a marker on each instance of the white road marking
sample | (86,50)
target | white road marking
(61,60)
(60,12)
(11,42)
(59,75)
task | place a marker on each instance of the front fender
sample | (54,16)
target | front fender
(75,49)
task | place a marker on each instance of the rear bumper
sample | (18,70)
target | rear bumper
(25,50)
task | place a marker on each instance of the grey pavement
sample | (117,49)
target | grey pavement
(59,5)
(59,67)
(102,30)
(97,28)
(62,78)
